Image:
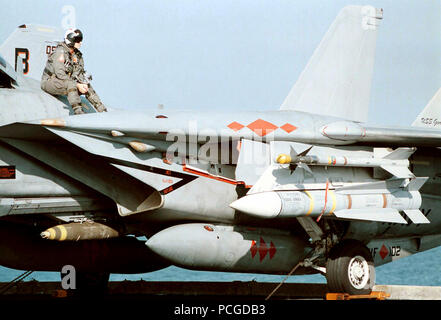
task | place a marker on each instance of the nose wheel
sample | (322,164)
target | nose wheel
(350,269)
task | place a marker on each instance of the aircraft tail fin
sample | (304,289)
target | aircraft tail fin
(32,43)
(430,117)
(337,79)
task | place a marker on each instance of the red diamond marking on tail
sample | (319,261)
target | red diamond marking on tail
(262,127)
(272,250)
(288,127)
(383,252)
(253,248)
(263,249)
(235,126)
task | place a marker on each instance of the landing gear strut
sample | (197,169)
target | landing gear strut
(350,268)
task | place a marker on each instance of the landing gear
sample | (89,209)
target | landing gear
(350,268)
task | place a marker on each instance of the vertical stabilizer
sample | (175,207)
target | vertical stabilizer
(430,117)
(32,43)
(337,79)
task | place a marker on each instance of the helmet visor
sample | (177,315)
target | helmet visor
(78,37)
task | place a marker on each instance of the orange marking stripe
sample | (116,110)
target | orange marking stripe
(210,176)
(349,201)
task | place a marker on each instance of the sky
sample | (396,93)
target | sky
(237,54)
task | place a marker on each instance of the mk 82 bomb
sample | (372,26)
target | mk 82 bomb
(79,231)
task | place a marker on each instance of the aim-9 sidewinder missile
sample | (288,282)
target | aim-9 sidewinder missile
(396,162)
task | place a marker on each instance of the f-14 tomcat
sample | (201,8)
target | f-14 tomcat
(309,188)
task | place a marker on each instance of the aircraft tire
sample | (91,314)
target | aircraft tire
(350,269)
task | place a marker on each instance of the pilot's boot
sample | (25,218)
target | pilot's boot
(100,108)
(77,109)
(92,96)
(73,97)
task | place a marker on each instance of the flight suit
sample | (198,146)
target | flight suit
(64,68)
(56,78)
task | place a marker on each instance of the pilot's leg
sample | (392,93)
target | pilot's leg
(54,86)
(59,87)
(92,96)
(73,96)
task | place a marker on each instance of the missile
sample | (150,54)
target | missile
(79,231)
(315,202)
(395,162)
(229,248)
(360,204)
(339,161)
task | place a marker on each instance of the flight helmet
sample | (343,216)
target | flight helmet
(73,36)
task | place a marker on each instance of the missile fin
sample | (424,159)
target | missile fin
(398,171)
(299,149)
(400,154)
(293,154)
(384,186)
(416,216)
(379,215)
(416,183)
(301,154)
(305,167)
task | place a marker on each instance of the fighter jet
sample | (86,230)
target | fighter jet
(309,188)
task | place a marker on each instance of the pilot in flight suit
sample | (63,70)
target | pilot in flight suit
(64,73)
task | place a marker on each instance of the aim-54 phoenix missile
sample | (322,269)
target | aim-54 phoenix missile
(362,202)
(79,231)
(395,162)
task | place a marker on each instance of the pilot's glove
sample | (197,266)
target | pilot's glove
(83,88)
